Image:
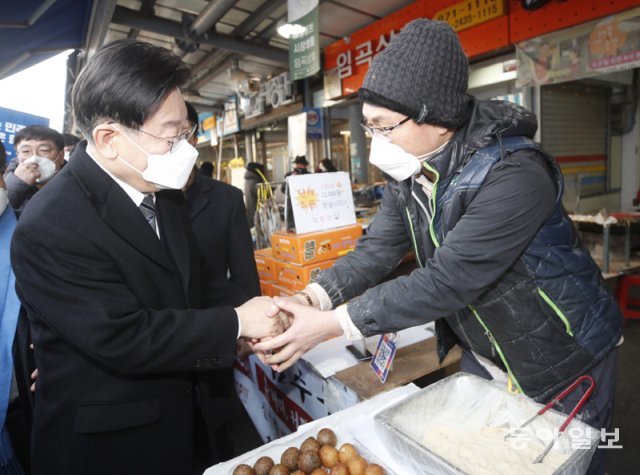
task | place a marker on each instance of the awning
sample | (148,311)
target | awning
(34,30)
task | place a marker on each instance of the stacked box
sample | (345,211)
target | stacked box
(266,288)
(281,291)
(296,277)
(264,264)
(311,248)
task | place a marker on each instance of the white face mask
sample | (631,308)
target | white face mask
(4,200)
(394,161)
(46,168)
(170,170)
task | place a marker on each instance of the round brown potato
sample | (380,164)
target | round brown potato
(308,461)
(298,472)
(319,471)
(263,466)
(347,452)
(328,456)
(356,465)
(339,469)
(310,443)
(290,458)
(243,469)
(373,469)
(327,437)
(279,469)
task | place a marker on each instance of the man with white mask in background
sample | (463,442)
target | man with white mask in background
(39,156)
(500,267)
(107,268)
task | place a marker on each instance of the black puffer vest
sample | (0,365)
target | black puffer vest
(548,319)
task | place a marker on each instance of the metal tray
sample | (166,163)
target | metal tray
(472,406)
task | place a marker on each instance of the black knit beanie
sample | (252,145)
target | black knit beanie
(423,73)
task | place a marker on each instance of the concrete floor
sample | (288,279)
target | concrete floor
(626,415)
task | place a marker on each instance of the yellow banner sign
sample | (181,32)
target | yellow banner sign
(470,13)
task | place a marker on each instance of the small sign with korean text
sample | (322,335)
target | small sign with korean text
(321,201)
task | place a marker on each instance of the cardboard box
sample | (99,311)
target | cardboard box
(305,249)
(266,288)
(296,277)
(281,291)
(264,264)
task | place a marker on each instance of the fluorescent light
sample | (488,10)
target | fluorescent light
(288,30)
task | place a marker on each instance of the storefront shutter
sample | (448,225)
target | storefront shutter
(574,122)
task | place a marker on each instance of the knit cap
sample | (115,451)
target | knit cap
(423,73)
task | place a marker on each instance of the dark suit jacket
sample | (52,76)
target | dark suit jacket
(219,223)
(114,324)
(220,226)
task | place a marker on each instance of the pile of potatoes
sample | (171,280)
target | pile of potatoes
(316,456)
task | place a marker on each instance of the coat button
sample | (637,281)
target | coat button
(188,392)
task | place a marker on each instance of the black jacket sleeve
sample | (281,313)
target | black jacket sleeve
(517,197)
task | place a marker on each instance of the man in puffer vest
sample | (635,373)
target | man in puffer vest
(501,270)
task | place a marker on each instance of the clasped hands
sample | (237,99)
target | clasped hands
(282,329)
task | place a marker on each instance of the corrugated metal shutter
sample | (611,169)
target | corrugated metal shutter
(575,130)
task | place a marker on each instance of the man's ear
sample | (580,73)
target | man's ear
(103,139)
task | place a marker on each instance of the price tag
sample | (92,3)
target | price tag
(470,13)
(383,357)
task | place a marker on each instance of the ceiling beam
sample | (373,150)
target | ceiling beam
(253,20)
(210,15)
(163,26)
(147,8)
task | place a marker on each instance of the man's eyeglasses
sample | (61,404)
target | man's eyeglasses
(174,141)
(384,131)
(41,151)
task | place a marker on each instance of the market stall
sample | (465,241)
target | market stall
(461,424)
(330,378)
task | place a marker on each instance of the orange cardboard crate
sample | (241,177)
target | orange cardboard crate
(309,248)
(266,288)
(281,291)
(296,277)
(264,264)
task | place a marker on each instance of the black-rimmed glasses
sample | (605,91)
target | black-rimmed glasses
(384,131)
(174,141)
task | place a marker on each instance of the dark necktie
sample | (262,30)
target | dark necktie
(148,209)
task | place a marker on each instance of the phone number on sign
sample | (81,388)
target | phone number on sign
(470,13)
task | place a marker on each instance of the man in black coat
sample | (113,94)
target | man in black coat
(107,268)
(217,215)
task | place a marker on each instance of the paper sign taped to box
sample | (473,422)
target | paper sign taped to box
(321,201)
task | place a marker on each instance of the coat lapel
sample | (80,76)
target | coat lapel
(117,210)
(198,195)
(173,220)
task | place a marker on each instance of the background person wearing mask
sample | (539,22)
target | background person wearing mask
(107,267)
(300,167)
(39,156)
(501,270)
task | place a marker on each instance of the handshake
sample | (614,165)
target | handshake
(282,329)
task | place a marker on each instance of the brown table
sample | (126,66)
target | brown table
(412,363)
